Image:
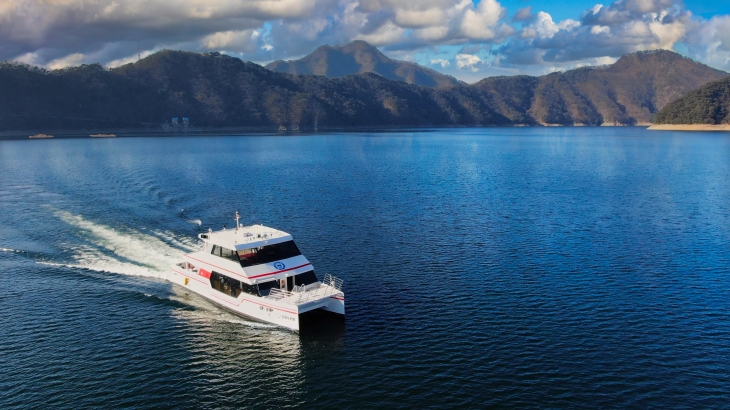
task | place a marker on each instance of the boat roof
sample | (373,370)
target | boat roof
(246,237)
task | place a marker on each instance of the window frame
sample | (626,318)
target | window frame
(283,250)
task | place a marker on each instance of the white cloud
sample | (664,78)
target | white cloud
(58,32)
(111,30)
(480,22)
(430,34)
(419,18)
(603,32)
(240,40)
(710,42)
(469,62)
(524,14)
(668,34)
(54,29)
(544,25)
(600,29)
(528,32)
(69,60)
(388,33)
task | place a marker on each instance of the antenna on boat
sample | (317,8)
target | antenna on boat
(237,218)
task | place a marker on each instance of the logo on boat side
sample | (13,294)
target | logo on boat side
(279,265)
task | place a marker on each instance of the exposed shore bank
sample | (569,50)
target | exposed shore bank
(236,131)
(690,127)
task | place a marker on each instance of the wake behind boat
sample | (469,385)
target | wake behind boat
(259,272)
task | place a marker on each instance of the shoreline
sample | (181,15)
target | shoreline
(252,131)
(690,127)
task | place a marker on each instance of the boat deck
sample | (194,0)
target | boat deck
(298,297)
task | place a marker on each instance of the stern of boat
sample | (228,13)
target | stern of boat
(326,295)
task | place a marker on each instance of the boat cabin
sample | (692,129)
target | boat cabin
(253,259)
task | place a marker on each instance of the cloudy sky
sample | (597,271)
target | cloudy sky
(467,39)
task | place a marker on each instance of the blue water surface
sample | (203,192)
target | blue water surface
(509,268)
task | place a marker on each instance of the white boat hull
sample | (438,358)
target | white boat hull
(277,312)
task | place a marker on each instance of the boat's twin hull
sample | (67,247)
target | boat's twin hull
(263,309)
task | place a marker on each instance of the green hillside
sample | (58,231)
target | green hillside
(710,104)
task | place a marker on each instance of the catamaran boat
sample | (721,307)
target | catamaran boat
(259,272)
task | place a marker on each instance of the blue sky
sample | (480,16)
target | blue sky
(562,10)
(467,39)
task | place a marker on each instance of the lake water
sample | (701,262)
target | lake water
(551,268)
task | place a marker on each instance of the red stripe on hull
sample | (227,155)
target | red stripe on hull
(249,277)
(195,278)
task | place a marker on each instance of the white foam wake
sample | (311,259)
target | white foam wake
(141,254)
(187,243)
(87,257)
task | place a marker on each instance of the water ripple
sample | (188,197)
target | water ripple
(483,268)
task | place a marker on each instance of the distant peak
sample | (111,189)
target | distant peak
(358,57)
(358,45)
(660,53)
(324,47)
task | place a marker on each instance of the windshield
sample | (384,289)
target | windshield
(268,253)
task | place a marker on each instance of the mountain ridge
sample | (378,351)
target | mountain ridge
(217,90)
(628,92)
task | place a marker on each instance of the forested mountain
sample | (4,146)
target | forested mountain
(360,57)
(627,92)
(216,90)
(710,104)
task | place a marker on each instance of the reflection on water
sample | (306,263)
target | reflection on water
(255,361)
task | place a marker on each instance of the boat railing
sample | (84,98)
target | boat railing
(255,237)
(332,281)
(299,295)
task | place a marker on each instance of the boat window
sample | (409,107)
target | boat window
(224,253)
(268,253)
(306,278)
(231,287)
(250,289)
(265,288)
(224,284)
